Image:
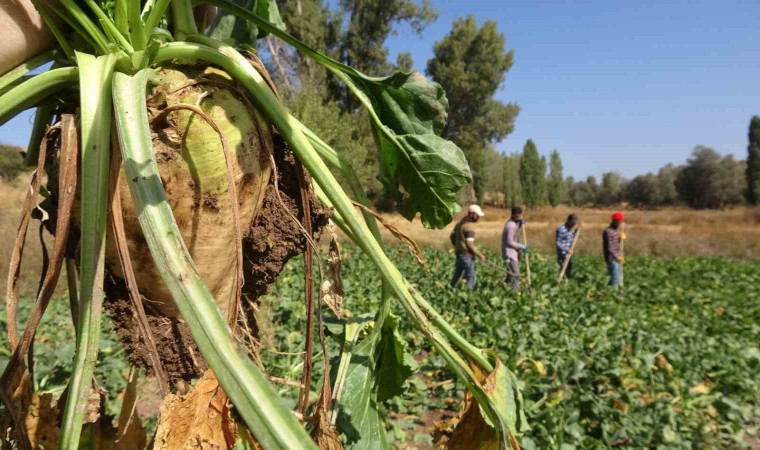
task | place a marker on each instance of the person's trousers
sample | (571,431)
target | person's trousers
(465,265)
(561,260)
(513,273)
(613,269)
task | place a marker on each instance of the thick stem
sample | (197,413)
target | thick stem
(154,16)
(273,425)
(19,71)
(35,89)
(184,21)
(95,114)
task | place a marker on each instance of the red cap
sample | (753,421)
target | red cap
(618,216)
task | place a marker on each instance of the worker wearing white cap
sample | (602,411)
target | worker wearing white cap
(463,238)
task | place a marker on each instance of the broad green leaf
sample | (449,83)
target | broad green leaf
(394,363)
(230,29)
(507,398)
(359,419)
(407,111)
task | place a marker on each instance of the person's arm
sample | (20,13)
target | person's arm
(24,33)
(469,242)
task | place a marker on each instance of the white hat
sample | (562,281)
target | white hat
(475,209)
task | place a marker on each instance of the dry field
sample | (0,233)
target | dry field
(671,232)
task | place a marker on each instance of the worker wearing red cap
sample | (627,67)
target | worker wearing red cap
(613,254)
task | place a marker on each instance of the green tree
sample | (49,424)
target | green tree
(357,36)
(532,175)
(11,162)
(556,180)
(610,192)
(666,181)
(711,181)
(471,63)
(644,190)
(582,193)
(404,62)
(753,162)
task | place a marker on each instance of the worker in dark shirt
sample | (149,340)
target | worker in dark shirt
(613,255)
(463,238)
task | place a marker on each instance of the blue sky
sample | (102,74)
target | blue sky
(619,85)
(611,84)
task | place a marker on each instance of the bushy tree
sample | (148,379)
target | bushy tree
(357,36)
(611,190)
(582,193)
(753,162)
(555,183)
(11,162)
(710,181)
(532,175)
(644,190)
(666,184)
(471,63)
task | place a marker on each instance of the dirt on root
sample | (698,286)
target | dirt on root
(272,240)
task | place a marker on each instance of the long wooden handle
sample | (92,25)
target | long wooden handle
(569,254)
(622,253)
(527,256)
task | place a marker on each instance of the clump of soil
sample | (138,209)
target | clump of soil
(272,240)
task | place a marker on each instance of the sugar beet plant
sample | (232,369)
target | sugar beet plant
(158,140)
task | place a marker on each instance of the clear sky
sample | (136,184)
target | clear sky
(611,84)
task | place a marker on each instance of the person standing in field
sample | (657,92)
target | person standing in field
(611,238)
(463,238)
(511,247)
(564,240)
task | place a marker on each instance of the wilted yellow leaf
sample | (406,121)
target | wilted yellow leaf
(701,389)
(662,362)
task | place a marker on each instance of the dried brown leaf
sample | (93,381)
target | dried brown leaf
(325,434)
(130,433)
(470,431)
(331,289)
(41,421)
(201,419)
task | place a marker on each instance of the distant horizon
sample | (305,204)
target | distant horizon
(611,86)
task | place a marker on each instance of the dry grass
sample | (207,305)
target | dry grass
(672,232)
(732,233)
(11,201)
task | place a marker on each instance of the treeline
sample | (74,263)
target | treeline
(706,180)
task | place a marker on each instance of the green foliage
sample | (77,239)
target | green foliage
(404,62)
(532,176)
(611,191)
(230,29)
(11,162)
(590,362)
(555,183)
(753,162)
(357,36)
(54,349)
(471,64)
(711,181)
(349,134)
